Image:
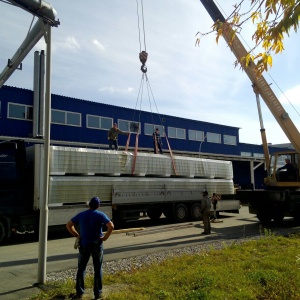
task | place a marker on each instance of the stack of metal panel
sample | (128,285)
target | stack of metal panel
(149,165)
(68,160)
(77,174)
(203,168)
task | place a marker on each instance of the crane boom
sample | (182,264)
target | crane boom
(260,83)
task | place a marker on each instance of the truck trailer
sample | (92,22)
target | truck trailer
(152,188)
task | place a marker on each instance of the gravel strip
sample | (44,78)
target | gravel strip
(128,264)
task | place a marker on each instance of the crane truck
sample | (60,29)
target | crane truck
(281,197)
(77,174)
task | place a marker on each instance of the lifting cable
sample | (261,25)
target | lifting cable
(136,128)
(164,133)
(143,56)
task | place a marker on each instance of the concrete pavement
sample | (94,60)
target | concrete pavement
(19,263)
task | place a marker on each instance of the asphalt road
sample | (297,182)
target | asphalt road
(19,262)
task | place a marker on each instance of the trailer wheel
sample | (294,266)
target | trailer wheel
(3,235)
(118,220)
(196,212)
(180,213)
(154,213)
(264,218)
(296,219)
(278,217)
(168,212)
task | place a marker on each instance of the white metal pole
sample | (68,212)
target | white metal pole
(42,257)
(41,129)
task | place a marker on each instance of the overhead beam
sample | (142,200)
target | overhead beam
(30,41)
(39,8)
(47,15)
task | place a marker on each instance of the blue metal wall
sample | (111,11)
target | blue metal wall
(12,127)
(24,128)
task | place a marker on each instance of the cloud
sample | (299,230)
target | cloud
(69,43)
(111,89)
(101,63)
(98,45)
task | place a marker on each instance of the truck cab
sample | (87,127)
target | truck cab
(16,189)
(284,170)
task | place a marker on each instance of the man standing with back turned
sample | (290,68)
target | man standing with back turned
(91,241)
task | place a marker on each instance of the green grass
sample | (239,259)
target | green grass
(268,268)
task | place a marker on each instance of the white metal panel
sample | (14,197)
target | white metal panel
(61,215)
(68,160)
(66,189)
(228,205)
(150,164)
(87,161)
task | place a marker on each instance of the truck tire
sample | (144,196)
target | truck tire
(296,219)
(117,218)
(3,234)
(196,212)
(180,213)
(168,212)
(154,213)
(264,218)
(278,217)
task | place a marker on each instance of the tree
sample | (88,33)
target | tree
(273,20)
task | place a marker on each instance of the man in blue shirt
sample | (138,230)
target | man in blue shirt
(90,243)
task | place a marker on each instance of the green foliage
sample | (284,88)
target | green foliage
(267,268)
(272,20)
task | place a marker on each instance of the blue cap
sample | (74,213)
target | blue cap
(94,203)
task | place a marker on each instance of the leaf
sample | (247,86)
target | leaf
(274,19)
(269,60)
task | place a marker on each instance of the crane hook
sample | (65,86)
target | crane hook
(143,59)
(144,69)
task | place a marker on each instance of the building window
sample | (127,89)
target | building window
(65,117)
(176,133)
(129,126)
(229,139)
(20,111)
(248,154)
(97,122)
(196,135)
(213,137)
(259,155)
(150,128)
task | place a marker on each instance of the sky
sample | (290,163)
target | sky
(95,56)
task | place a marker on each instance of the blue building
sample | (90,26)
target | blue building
(81,121)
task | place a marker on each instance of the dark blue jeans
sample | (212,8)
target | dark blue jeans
(158,146)
(113,143)
(96,251)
